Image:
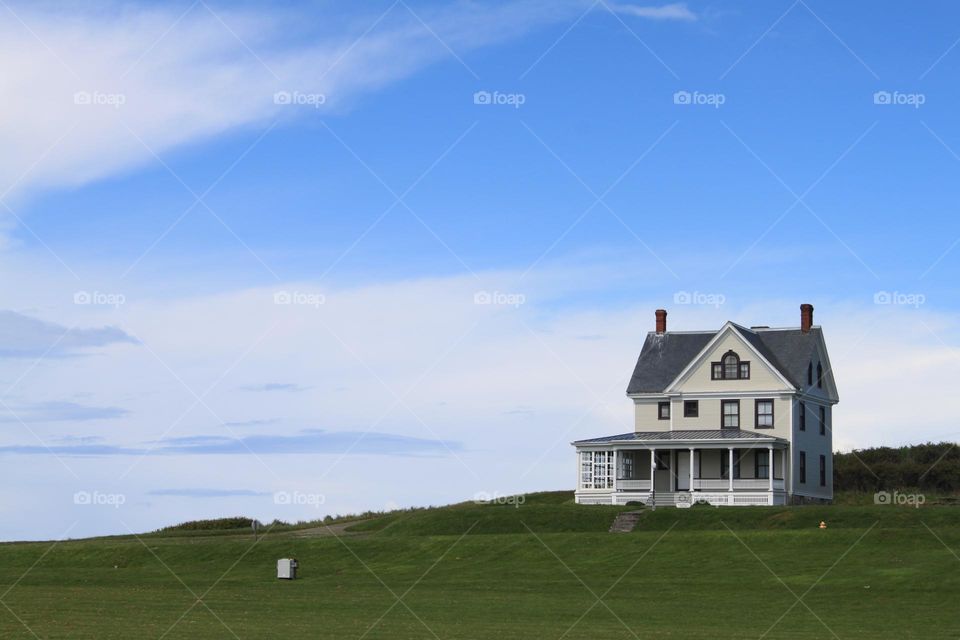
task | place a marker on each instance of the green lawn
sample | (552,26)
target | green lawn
(696,573)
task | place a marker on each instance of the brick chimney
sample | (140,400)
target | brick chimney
(661,321)
(806,317)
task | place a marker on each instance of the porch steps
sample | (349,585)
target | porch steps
(625,522)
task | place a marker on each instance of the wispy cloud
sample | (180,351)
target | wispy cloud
(207,493)
(22,336)
(251,423)
(59,412)
(170,78)
(315,441)
(675,11)
(274,386)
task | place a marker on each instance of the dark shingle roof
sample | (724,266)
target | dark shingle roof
(793,349)
(664,356)
(691,434)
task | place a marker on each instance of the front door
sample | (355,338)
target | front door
(683,471)
(661,480)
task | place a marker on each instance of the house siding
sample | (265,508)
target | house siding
(762,377)
(710,413)
(814,445)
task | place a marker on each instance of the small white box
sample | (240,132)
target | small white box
(287,568)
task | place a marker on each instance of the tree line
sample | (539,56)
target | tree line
(931,467)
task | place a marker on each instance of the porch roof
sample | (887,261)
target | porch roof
(692,435)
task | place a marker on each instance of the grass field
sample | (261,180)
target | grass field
(547,568)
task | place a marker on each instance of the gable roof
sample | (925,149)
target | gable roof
(664,356)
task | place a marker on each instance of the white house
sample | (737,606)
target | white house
(733,417)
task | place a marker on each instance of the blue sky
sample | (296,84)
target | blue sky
(150,226)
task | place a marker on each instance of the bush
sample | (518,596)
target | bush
(216,524)
(927,467)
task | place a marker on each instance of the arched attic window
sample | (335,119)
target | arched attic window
(820,375)
(730,367)
(810,374)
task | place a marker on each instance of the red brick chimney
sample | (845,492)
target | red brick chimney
(806,317)
(661,321)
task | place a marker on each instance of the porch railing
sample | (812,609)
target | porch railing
(708,484)
(633,485)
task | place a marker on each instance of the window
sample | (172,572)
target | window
(823,471)
(596,469)
(730,411)
(691,408)
(803,416)
(627,467)
(764,414)
(810,374)
(586,469)
(823,421)
(803,467)
(761,469)
(730,367)
(819,375)
(663,410)
(724,465)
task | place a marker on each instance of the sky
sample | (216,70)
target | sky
(285,260)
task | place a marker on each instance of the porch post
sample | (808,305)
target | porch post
(770,454)
(673,469)
(653,477)
(691,469)
(616,470)
(730,470)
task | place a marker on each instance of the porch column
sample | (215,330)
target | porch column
(616,470)
(673,469)
(653,473)
(770,457)
(730,470)
(691,469)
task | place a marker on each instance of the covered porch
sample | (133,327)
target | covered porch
(721,467)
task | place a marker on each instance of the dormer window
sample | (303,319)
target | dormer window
(730,367)
(810,374)
(819,375)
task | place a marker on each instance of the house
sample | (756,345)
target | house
(739,416)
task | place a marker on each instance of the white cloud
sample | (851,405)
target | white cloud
(675,11)
(158,78)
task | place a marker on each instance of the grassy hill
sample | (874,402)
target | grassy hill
(535,569)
